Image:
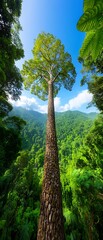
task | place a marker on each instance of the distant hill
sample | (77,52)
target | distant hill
(70,125)
(30,115)
(92,115)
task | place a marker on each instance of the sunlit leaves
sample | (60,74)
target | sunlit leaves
(93,40)
(91,22)
(91,19)
(50,62)
(89,4)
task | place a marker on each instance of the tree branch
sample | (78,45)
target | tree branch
(44,57)
(42,70)
(42,76)
(55,77)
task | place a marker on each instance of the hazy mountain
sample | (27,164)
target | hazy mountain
(69,124)
(30,115)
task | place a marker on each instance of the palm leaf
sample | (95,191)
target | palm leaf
(91,19)
(89,4)
(87,44)
(92,45)
(98,44)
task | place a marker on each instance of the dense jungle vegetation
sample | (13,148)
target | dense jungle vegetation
(80,145)
(79,136)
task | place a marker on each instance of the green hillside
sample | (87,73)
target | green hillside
(80,145)
(69,124)
(29,115)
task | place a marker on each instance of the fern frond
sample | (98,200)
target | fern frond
(91,19)
(90,4)
(92,45)
(87,44)
(97,44)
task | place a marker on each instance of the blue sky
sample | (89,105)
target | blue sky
(58,17)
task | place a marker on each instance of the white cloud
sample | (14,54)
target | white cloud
(57,103)
(76,103)
(82,98)
(42,108)
(24,102)
(29,104)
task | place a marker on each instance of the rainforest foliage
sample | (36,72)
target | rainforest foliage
(22,145)
(91,22)
(80,144)
(91,52)
(10,80)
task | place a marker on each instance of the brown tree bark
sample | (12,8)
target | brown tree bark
(50,225)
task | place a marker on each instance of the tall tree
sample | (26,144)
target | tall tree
(10,77)
(91,22)
(10,48)
(45,73)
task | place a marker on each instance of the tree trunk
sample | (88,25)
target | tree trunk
(51,218)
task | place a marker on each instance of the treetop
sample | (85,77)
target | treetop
(50,63)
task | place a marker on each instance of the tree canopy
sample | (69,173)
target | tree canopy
(50,62)
(10,79)
(10,48)
(80,144)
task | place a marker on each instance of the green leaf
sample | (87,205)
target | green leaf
(92,45)
(91,19)
(87,44)
(89,4)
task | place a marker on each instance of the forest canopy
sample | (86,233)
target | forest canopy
(22,132)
